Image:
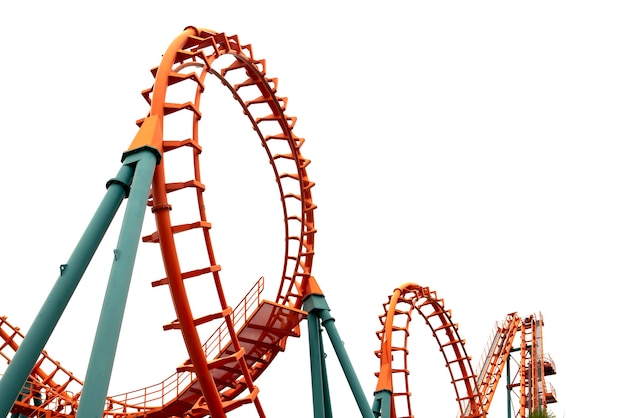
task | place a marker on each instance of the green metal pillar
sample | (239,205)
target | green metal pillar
(102,357)
(319,380)
(382,402)
(317,305)
(329,324)
(509,400)
(508,387)
(71,273)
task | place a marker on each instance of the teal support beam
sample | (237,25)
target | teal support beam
(509,404)
(71,273)
(319,384)
(382,403)
(329,324)
(509,400)
(317,304)
(106,339)
(327,402)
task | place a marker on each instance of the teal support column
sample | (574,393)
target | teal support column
(509,405)
(317,304)
(382,403)
(509,400)
(319,382)
(71,273)
(329,324)
(102,357)
(326,388)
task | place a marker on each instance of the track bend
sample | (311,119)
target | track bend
(175,95)
(394,369)
(50,387)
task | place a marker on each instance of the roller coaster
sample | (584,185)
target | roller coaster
(219,374)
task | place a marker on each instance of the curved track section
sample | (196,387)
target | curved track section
(175,101)
(50,388)
(394,368)
(221,56)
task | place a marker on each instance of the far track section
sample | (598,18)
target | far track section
(474,391)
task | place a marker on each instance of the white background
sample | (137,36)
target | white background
(473,147)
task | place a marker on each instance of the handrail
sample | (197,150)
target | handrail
(550,389)
(158,395)
(488,347)
(481,363)
(548,359)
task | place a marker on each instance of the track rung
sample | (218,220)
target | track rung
(190,274)
(199,321)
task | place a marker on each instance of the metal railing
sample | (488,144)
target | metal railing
(160,394)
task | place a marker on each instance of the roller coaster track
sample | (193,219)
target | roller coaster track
(219,375)
(194,55)
(50,388)
(394,352)
(207,385)
(533,365)
(495,356)
(474,393)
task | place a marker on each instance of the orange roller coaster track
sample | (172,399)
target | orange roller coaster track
(220,373)
(394,353)
(194,55)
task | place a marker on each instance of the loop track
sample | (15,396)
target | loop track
(194,55)
(394,352)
